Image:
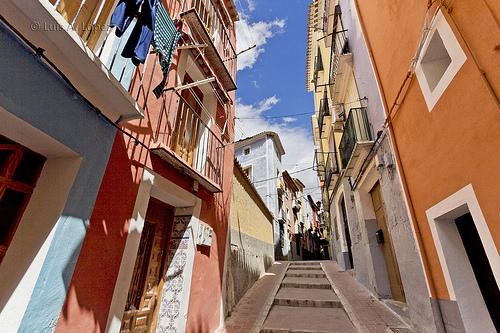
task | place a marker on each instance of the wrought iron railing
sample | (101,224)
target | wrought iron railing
(184,131)
(325,163)
(319,163)
(331,168)
(210,15)
(340,46)
(181,130)
(357,129)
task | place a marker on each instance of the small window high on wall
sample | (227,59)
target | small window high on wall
(435,61)
(19,172)
(440,61)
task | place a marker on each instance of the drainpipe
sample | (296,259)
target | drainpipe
(418,234)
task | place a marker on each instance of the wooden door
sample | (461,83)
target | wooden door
(145,288)
(390,258)
(187,123)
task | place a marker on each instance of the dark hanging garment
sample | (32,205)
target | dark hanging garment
(124,13)
(137,46)
(166,36)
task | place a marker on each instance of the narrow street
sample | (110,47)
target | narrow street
(249,166)
(311,296)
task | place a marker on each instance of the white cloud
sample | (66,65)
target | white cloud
(251,5)
(297,141)
(257,33)
(289,119)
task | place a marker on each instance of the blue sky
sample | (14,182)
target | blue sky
(271,79)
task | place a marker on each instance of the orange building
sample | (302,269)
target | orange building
(438,70)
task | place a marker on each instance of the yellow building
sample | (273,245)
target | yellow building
(371,231)
(250,239)
(330,78)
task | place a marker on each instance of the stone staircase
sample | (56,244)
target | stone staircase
(306,303)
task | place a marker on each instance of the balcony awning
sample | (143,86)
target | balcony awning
(198,29)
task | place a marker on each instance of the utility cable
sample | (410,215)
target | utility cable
(275,117)
(291,173)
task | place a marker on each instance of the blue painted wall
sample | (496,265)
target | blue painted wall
(30,90)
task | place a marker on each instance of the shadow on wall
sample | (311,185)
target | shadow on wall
(244,270)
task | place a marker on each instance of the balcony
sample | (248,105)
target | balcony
(184,139)
(326,166)
(315,130)
(331,170)
(356,141)
(341,64)
(74,38)
(324,117)
(208,29)
(319,164)
(70,32)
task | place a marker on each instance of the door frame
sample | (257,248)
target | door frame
(347,232)
(164,249)
(393,261)
(460,280)
(185,203)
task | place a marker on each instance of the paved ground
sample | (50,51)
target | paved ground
(306,297)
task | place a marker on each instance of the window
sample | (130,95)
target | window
(435,61)
(247,151)
(440,60)
(19,172)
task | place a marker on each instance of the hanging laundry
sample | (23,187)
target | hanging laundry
(166,36)
(137,46)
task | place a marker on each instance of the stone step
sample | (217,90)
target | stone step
(316,273)
(306,320)
(305,263)
(309,283)
(303,267)
(307,297)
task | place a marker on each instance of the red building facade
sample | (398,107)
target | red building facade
(153,255)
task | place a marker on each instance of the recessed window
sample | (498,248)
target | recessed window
(435,61)
(246,151)
(19,172)
(440,61)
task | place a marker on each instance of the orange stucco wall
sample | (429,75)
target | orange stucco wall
(458,143)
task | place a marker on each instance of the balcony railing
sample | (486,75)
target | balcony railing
(340,47)
(182,135)
(207,27)
(319,163)
(324,111)
(88,18)
(184,138)
(331,169)
(356,130)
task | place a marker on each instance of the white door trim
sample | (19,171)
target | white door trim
(458,274)
(152,185)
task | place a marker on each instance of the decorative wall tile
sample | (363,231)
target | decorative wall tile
(171,299)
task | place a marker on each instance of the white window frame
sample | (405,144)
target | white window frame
(455,52)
